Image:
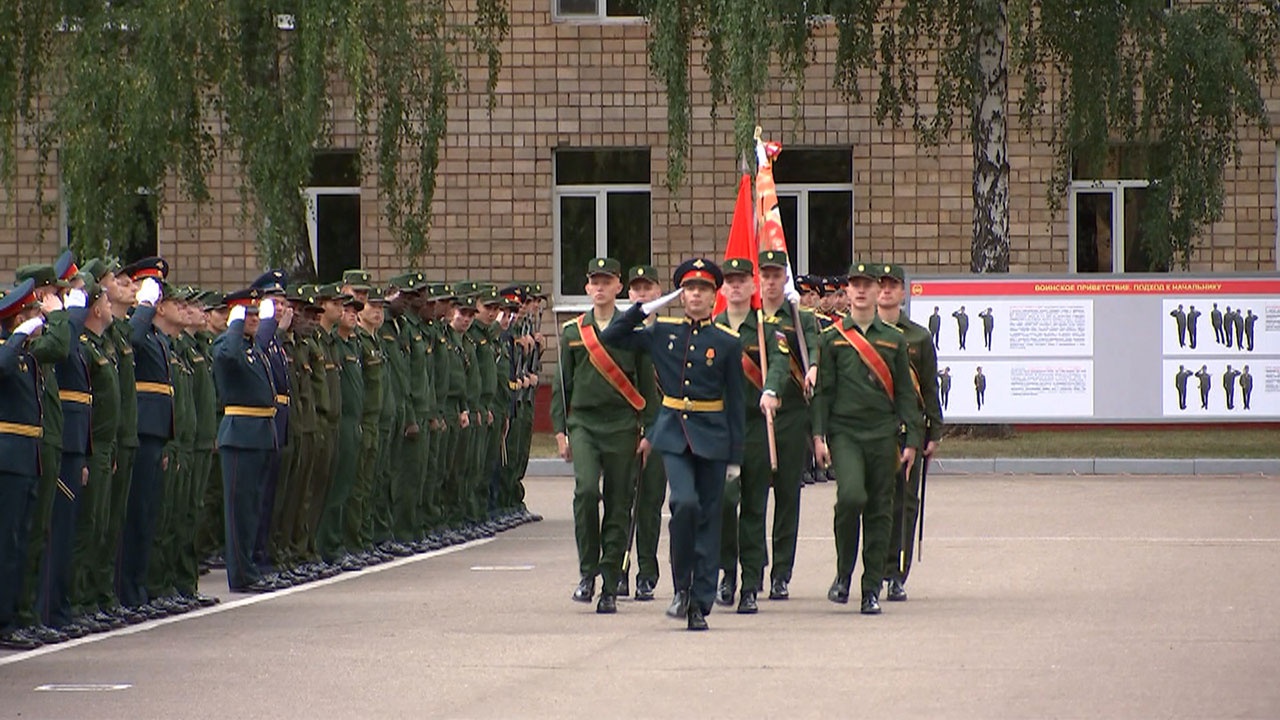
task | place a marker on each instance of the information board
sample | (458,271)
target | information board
(1103,348)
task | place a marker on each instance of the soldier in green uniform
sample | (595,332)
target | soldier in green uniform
(464,389)
(746,496)
(488,429)
(501,499)
(344,351)
(209,535)
(174,490)
(298,453)
(595,412)
(94,555)
(864,399)
(643,286)
(122,291)
(409,465)
(204,460)
(397,409)
(357,515)
(924,380)
(436,300)
(786,394)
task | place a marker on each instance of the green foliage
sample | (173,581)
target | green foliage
(129,97)
(1184,78)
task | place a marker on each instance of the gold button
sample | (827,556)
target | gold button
(688,364)
(686,382)
(692,347)
(685,415)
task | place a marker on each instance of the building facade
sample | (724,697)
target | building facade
(571,161)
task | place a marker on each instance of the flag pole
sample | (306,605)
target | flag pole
(764,355)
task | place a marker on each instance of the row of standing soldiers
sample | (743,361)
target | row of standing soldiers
(855,392)
(292,432)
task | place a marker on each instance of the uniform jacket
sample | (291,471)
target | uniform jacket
(243,379)
(20,390)
(151,365)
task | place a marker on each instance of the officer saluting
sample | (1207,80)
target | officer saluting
(246,436)
(700,429)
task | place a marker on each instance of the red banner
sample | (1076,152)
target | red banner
(1171,286)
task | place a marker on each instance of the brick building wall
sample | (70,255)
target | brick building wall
(571,85)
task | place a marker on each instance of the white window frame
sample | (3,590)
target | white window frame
(597,18)
(1276,214)
(64,223)
(801,192)
(580,302)
(310,197)
(1116,189)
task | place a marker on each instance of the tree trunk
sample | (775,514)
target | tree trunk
(990,140)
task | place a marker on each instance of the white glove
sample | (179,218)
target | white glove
(790,293)
(149,293)
(76,298)
(266,309)
(30,326)
(654,306)
(733,472)
(237,313)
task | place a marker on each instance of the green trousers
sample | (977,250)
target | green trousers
(653,492)
(390,440)
(188,582)
(602,470)
(906,509)
(429,512)
(794,437)
(210,540)
(174,503)
(864,499)
(355,520)
(38,535)
(93,558)
(320,479)
(284,502)
(331,539)
(119,505)
(742,538)
(288,537)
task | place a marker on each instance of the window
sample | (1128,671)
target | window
(333,214)
(140,237)
(1105,208)
(598,10)
(815,198)
(601,210)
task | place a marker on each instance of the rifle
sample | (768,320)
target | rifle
(924,474)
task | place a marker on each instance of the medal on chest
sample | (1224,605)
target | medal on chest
(711,356)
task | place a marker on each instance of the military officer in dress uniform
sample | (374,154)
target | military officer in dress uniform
(155,428)
(924,381)
(864,400)
(595,413)
(701,428)
(20,432)
(271,284)
(246,435)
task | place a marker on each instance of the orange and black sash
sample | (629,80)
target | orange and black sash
(607,366)
(869,357)
(915,382)
(752,371)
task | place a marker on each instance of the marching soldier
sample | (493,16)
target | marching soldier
(786,394)
(701,428)
(923,360)
(864,397)
(748,494)
(643,287)
(595,415)
(21,428)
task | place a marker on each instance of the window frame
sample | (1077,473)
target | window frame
(599,18)
(1116,189)
(580,301)
(801,192)
(310,200)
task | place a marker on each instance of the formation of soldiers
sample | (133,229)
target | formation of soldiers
(731,406)
(290,432)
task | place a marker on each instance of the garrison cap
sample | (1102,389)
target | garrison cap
(13,300)
(864,270)
(489,296)
(376,296)
(440,291)
(66,268)
(350,301)
(212,299)
(738,266)
(698,269)
(467,287)
(95,269)
(357,279)
(773,258)
(330,291)
(92,290)
(642,272)
(536,291)
(410,282)
(604,266)
(896,272)
(151,267)
(41,275)
(469,302)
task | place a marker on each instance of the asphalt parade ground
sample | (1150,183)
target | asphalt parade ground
(1053,597)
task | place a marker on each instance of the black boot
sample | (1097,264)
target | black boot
(586,589)
(747,603)
(697,621)
(728,588)
(870,603)
(608,604)
(839,592)
(897,593)
(679,605)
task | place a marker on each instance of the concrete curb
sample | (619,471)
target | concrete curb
(552,467)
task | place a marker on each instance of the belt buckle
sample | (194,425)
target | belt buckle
(688,405)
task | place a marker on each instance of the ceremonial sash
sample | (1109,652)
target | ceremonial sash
(752,371)
(915,381)
(869,357)
(605,364)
